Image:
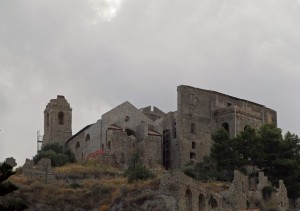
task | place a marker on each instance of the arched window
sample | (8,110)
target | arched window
(188,200)
(87,137)
(213,202)
(201,202)
(60,118)
(225,125)
(77,145)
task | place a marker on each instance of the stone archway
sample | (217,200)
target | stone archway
(201,202)
(188,200)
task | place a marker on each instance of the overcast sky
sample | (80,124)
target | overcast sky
(100,53)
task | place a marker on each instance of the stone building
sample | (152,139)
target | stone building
(171,139)
(57,121)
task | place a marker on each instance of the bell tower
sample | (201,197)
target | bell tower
(57,121)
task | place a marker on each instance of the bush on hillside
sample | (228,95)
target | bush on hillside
(56,153)
(137,170)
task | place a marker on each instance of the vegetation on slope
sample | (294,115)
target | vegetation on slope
(56,153)
(87,185)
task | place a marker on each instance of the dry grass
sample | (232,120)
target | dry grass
(85,192)
(88,167)
(216,186)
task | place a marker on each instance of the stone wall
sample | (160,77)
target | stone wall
(57,121)
(195,195)
(191,195)
(202,112)
(42,171)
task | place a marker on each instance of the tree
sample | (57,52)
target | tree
(249,147)
(7,187)
(56,153)
(224,151)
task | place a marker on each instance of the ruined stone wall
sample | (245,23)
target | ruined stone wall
(243,195)
(191,195)
(42,171)
(206,196)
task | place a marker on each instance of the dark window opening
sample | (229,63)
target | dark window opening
(193,156)
(108,145)
(174,130)
(126,118)
(229,104)
(226,126)
(60,118)
(130,132)
(87,137)
(193,127)
(77,145)
(193,145)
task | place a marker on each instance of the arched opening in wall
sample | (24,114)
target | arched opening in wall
(188,200)
(130,132)
(201,202)
(247,127)
(225,125)
(212,202)
(77,145)
(108,145)
(47,120)
(60,118)
(87,137)
(193,156)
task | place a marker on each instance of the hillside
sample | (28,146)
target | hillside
(89,186)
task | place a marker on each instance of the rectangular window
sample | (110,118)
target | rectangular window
(192,99)
(193,145)
(193,129)
(192,156)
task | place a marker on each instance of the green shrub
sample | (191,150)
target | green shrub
(56,153)
(137,170)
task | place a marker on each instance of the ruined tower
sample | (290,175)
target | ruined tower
(57,121)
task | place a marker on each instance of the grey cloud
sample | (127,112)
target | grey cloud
(248,49)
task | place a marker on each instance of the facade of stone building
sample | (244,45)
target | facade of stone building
(120,133)
(171,139)
(57,121)
(201,112)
